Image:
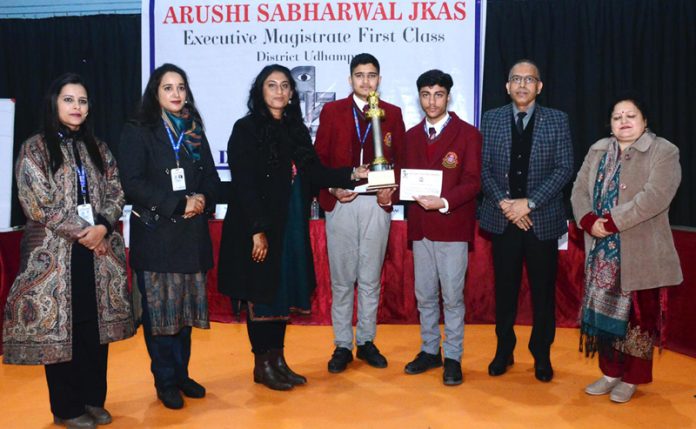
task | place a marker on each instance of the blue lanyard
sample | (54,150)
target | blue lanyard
(175,145)
(82,176)
(362,138)
(425,126)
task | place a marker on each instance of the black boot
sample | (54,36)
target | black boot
(266,374)
(281,366)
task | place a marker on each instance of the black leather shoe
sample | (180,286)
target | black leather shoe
(452,376)
(423,362)
(84,421)
(171,398)
(340,359)
(191,388)
(543,372)
(100,415)
(266,374)
(499,365)
(281,366)
(370,354)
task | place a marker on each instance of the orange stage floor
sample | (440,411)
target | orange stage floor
(365,397)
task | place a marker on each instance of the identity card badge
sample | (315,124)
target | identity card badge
(178,179)
(86,213)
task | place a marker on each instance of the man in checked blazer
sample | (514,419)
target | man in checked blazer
(527,159)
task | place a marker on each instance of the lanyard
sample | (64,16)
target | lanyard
(425,126)
(81,172)
(82,176)
(175,145)
(361,138)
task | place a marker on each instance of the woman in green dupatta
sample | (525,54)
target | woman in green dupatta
(621,198)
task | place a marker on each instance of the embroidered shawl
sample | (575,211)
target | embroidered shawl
(38,316)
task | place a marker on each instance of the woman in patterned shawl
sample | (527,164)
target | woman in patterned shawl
(70,298)
(169,176)
(621,198)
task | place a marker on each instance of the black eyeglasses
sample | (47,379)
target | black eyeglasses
(528,80)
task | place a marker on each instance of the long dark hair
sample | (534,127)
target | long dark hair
(302,151)
(257,106)
(150,111)
(54,131)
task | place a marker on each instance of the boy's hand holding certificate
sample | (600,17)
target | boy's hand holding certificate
(419,182)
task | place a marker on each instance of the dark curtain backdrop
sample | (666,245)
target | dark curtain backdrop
(589,50)
(104,49)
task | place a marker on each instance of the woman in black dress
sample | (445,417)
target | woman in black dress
(265,253)
(169,176)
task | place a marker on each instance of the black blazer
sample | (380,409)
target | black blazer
(259,202)
(161,239)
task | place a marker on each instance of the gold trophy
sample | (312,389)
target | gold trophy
(381,173)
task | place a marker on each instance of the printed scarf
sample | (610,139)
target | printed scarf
(605,308)
(192,130)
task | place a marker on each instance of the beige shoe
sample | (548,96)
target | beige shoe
(602,386)
(623,392)
(100,415)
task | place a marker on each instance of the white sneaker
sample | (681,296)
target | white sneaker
(623,392)
(602,386)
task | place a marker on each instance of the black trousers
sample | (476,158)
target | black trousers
(510,250)
(265,336)
(82,381)
(169,354)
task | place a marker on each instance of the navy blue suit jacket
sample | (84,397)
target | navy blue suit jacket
(550,169)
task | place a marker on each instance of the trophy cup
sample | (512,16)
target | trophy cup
(381,173)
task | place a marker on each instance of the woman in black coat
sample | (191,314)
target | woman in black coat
(169,176)
(265,253)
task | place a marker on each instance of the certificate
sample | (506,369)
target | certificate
(420,182)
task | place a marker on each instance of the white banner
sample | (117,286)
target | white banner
(223,45)
(7,114)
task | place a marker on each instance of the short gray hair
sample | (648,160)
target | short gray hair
(525,61)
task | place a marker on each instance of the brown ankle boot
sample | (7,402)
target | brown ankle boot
(281,366)
(266,374)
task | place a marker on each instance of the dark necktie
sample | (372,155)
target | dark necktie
(520,124)
(431,133)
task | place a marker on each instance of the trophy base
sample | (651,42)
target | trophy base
(378,187)
(381,179)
